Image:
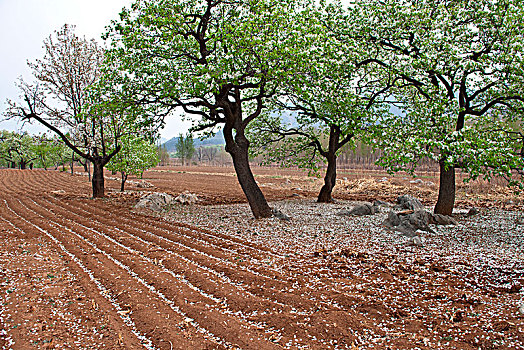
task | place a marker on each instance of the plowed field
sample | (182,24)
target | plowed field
(81,273)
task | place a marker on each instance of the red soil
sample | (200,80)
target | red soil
(83,273)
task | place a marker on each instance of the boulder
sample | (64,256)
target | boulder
(439,219)
(360,210)
(419,220)
(144,184)
(408,202)
(409,222)
(187,198)
(392,220)
(156,201)
(379,203)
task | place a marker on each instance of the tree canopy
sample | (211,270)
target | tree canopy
(185,147)
(332,97)
(69,97)
(21,150)
(216,61)
(137,154)
(461,66)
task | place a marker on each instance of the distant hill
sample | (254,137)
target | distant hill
(217,140)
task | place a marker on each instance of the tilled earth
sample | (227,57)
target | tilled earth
(79,273)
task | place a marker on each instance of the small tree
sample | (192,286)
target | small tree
(17,149)
(65,100)
(50,151)
(206,153)
(185,148)
(189,148)
(136,156)
(163,155)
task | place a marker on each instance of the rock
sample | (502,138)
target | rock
(472,212)
(408,202)
(379,203)
(417,181)
(406,230)
(144,184)
(439,219)
(187,198)
(384,179)
(360,210)
(419,220)
(408,222)
(288,181)
(278,214)
(416,241)
(156,201)
(430,183)
(392,220)
(521,309)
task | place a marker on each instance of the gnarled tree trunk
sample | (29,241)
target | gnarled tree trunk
(446,191)
(123,183)
(330,181)
(238,149)
(98,177)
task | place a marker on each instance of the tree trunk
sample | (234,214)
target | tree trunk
(330,180)
(239,152)
(446,191)
(72,162)
(124,178)
(98,178)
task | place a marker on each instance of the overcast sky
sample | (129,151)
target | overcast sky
(24,24)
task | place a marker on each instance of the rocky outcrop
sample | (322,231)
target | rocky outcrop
(408,222)
(360,210)
(156,201)
(187,198)
(406,202)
